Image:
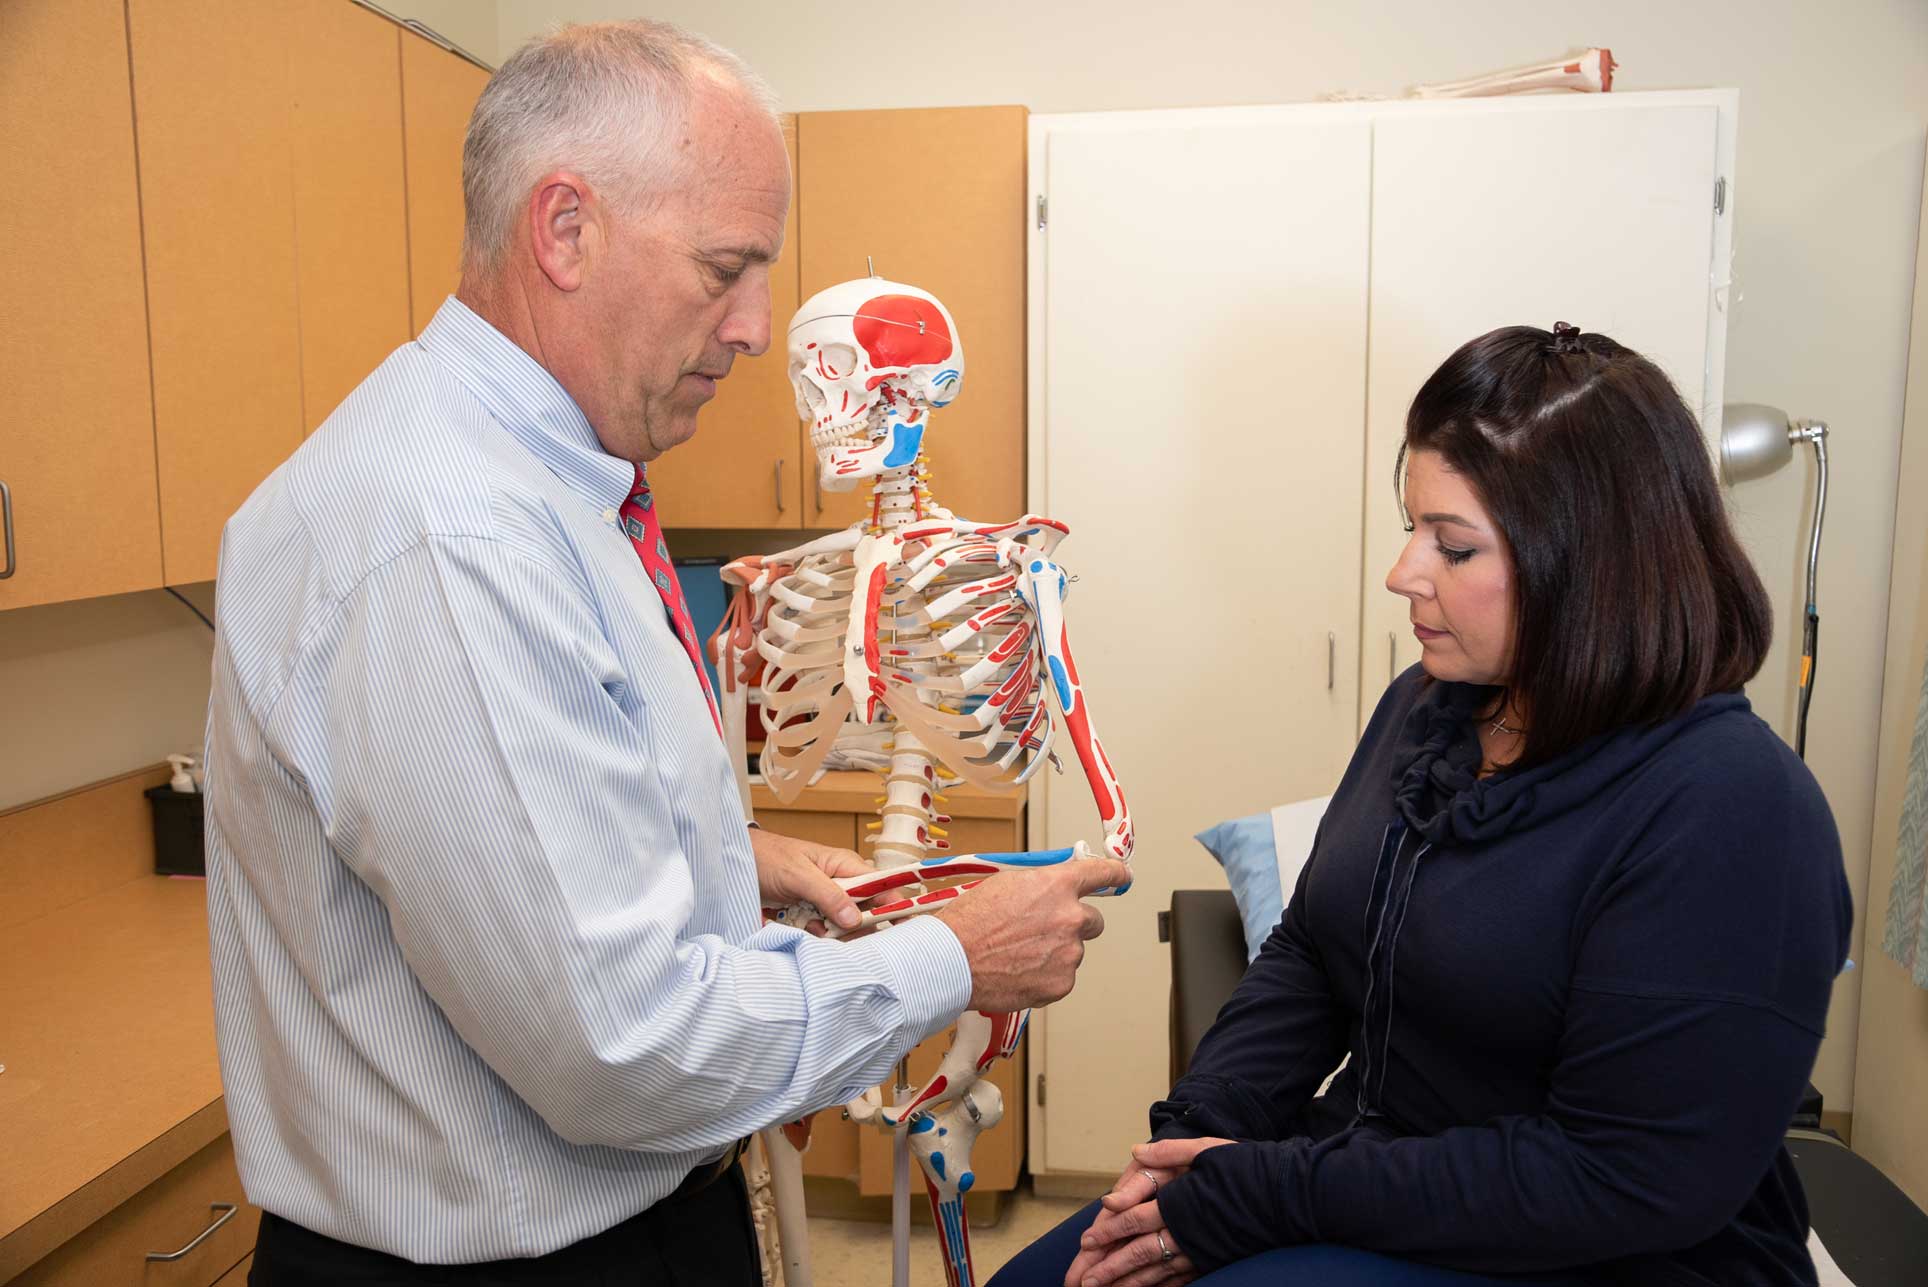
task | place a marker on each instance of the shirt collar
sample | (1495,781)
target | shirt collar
(525,399)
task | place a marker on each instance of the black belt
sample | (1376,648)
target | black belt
(702,1177)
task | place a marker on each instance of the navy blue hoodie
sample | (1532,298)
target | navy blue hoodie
(1581,1001)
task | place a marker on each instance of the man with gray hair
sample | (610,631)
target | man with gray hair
(494,998)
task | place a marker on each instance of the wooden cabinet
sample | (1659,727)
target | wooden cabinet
(237,1276)
(275,197)
(76,419)
(196,1211)
(278,222)
(856,1162)
(216,140)
(351,215)
(1214,508)
(439,90)
(743,469)
(961,237)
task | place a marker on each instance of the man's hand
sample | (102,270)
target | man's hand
(1024,931)
(789,870)
(1124,1243)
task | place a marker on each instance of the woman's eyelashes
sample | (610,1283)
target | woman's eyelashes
(1452,556)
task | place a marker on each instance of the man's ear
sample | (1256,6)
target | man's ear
(565,228)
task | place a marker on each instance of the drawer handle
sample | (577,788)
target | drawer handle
(6,521)
(227,1210)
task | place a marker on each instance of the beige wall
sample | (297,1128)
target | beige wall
(95,688)
(1833,106)
(1891,1105)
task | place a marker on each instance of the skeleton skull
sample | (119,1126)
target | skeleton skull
(870,360)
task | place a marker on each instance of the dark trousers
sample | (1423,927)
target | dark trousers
(688,1240)
(1044,1263)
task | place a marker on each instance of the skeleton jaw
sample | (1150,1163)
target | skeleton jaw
(844,458)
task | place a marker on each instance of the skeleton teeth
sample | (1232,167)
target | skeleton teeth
(830,436)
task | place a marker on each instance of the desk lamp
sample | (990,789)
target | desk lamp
(1755,441)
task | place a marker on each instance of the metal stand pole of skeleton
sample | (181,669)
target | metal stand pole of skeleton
(924,646)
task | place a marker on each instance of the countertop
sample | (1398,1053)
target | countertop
(107,1035)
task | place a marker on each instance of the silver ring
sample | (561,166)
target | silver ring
(1149,1176)
(1164,1252)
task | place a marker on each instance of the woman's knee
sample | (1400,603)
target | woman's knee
(1045,1262)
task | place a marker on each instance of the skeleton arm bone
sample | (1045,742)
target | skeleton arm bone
(871,884)
(1043,584)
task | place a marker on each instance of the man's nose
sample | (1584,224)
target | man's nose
(746,327)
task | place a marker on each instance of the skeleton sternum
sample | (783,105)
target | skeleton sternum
(898,498)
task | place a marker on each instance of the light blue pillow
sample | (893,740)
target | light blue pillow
(1246,849)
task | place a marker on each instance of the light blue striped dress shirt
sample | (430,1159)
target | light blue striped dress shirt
(489,970)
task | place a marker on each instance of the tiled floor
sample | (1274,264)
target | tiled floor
(856,1253)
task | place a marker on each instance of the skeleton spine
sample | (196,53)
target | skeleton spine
(910,787)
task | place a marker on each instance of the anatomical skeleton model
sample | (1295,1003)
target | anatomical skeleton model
(926,646)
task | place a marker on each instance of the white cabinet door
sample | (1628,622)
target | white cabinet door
(1597,213)
(1199,327)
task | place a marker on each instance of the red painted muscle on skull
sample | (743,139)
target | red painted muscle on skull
(901,331)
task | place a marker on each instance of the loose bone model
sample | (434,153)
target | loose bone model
(919,644)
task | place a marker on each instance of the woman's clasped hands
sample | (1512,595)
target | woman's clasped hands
(1128,1243)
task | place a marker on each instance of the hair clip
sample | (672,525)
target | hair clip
(1566,338)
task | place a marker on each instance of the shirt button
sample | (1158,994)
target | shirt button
(609,516)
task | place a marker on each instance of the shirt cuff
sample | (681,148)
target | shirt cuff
(925,968)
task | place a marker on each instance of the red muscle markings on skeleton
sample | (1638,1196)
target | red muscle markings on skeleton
(970,617)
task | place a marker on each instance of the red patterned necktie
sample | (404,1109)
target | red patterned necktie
(646,534)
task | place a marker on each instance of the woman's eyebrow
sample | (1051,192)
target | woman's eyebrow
(1449,518)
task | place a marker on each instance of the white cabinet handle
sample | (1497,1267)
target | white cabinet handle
(226,1209)
(6,522)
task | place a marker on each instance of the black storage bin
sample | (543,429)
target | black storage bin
(179,846)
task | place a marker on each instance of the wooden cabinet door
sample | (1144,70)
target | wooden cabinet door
(439,90)
(1207,457)
(76,419)
(217,200)
(957,231)
(351,217)
(839,829)
(1612,228)
(741,470)
(165,1217)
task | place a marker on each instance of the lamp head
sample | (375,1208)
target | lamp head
(1755,440)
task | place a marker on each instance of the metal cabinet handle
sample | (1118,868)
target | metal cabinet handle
(6,522)
(1331,658)
(227,1210)
(1392,655)
(779,484)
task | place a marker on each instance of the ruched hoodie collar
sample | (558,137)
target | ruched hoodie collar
(1436,784)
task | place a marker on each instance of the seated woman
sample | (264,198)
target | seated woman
(1574,911)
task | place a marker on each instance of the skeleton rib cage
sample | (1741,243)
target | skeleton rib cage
(958,661)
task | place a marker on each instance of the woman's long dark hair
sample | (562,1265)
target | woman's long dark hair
(1632,598)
